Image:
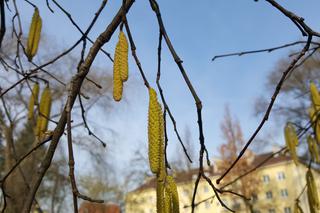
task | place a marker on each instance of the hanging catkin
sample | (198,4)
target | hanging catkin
(315,96)
(44,112)
(34,35)
(162,166)
(292,141)
(154,143)
(160,197)
(123,60)
(117,82)
(315,123)
(314,111)
(33,100)
(120,66)
(313,149)
(174,193)
(312,191)
(167,200)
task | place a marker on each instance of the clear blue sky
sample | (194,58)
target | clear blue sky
(199,30)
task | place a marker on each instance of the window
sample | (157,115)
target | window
(284,193)
(287,210)
(269,195)
(281,176)
(266,178)
(272,211)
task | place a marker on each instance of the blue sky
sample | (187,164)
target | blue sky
(198,30)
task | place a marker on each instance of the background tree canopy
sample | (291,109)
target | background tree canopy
(91,132)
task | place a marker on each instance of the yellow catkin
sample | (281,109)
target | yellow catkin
(44,112)
(33,100)
(311,206)
(34,35)
(160,197)
(313,149)
(154,132)
(315,110)
(123,60)
(168,200)
(174,192)
(162,166)
(315,123)
(292,141)
(315,96)
(312,191)
(38,127)
(117,82)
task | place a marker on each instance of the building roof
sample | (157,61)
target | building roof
(186,176)
(279,158)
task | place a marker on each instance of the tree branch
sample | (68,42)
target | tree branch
(76,83)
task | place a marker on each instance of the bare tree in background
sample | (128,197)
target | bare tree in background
(24,71)
(296,93)
(295,89)
(18,133)
(233,137)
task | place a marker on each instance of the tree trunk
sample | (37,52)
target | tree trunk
(16,185)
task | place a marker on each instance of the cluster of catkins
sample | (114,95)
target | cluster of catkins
(44,108)
(167,193)
(291,137)
(292,142)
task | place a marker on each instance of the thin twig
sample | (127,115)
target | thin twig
(86,124)
(267,113)
(261,50)
(166,107)
(84,35)
(3,22)
(298,21)
(134,54)
(71,158)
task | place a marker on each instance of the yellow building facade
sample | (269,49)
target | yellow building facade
(280,183)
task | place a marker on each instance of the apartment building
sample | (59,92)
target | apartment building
(280,183)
